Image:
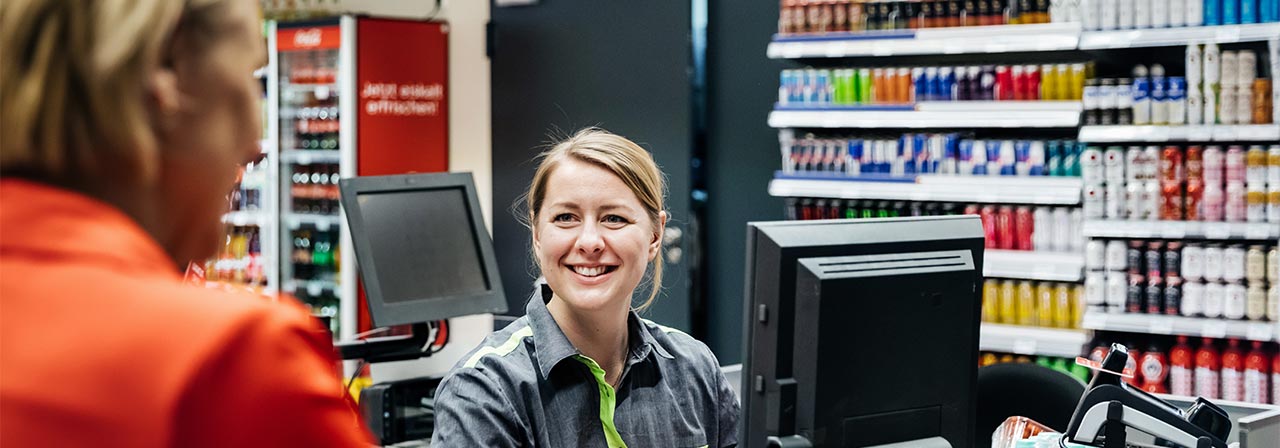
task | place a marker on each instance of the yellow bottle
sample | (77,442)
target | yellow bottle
(1048,83)
(991,301)
(1063,306)
(1026,307)
(1044,304)
(1077,305)
(1008,303)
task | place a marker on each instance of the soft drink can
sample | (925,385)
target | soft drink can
(1192,267)
(1269,12)
(1273,166)
(1171,203)
(1095,257)
(1141,100)
(1195,105)
(1153,259)
(904,87)
(1135,294)
(1273,205)
(1116,256)
(1024,228)
(1171,164)
(1124,15)
(1133,201)
(1191,200)
(1235,205)
(1094,201)
(1214,165)
(1256,206)
(1212,12)
(1212,263)
(1154,296)
(1113,165)
(1214,295)
(1151,195)
(1074,240)
(1032,84)
(1195,13)
(1177,12)
(1117,289)
(1133,164)
(988,218)
(1228,104)
(1234,298)
(1172,296)
(1095,289)
(1005,78)
(1150,163)
(1256,166)
(1005,228)
(1114,201)
(1212,203)
(1255,270)
(1176,100)
(1192,298)
(1194,163)
(1042,237)
(1091,165)
(1230,12)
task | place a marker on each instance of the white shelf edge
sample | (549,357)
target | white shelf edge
(923,119)
(1024,340)
(1222,133)
(957,40)
(1181,325)
(1107,228)
(1159,37)
(981,189)
(309,156)
(245,218)
(1033,265)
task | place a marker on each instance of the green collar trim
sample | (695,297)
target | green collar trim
(608,402)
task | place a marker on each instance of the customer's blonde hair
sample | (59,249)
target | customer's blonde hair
(625,159)
(73,85)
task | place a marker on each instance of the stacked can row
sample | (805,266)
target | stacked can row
(1039,304)
(1223,87)
(1183,278)
(1209,368)
(1149,97)
(899,85)
(1041,228)
(913,154)
(1175,183)
(1139,14)
(828,16)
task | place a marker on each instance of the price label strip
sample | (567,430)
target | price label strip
(1097,366)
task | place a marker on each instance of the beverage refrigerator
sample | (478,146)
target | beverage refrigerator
(348,96)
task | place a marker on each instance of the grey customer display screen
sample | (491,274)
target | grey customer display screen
(422,243)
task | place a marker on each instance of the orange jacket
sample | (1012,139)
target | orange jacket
(101,344)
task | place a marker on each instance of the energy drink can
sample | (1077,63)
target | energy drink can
(1114,200)
(1091,165)
(1212,12)
(1095,289)
(1042,236)
(1192,263)
(1117,290)
(1234,263)
(1024,228)
(1095,257)
(1154,259)
(1212,263)
(1005,228)
(1214,295)
(1234,297)
(1113,161)
(1235,207)
(1192,298)
(1117,256)
(1191,201)
(1094,201)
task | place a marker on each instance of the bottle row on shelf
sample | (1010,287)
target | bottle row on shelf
(239,261)
(1064,365)
(252,182)
(315,255)
(310,67)
(1175,183)
(912,154)
(1211,368)
(900,85)
(1026,228)
(1037,304)
(1184,278)
(835,16)
(314,189)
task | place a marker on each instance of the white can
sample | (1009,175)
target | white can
(1177,12)
(1246,68)
(1273,303)
(1061,229)
(1095,255)
(1273,205)
(1195,12)
(1193,262)
(1212,271)
(1113,159)
(1273,266)
(1109,12)
(1234,204)
(1227,108)
(1042,236)
(1094,204)
(1195,65)
(1256,302)
(1091,170)
(1229,63)
(1234,297)
(1244,106)
(1195,104)
(1125,13)
(1075,242)
(1141,14)
(1116,256)
(1192,298)
(1273,168)
(1210,115)
(1133,201)
(1233,263)
(1089,10)
(1117,289)
(1213,297)
(1212,72)
(1150,166)
(1133,164)
(1114,201)
(1150,204)
(1095,288)
(1159,14)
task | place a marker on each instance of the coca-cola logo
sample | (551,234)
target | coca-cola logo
(307,38)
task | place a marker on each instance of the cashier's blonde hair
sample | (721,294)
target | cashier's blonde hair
(74,83)
(627,160)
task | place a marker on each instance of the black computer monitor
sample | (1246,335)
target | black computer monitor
(862,332)
(421,247)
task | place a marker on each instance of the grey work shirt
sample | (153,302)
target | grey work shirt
(527,386)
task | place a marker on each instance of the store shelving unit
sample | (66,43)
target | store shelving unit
(1179,325)
(1031,340)
(977,189)
(1181,230)
(1261,133)
(310,156)
(258,218)
(1164,37)
(935,114)
(965,40)
(1033,265)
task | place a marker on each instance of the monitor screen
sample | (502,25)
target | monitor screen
(441,259)
(421,247)
(843,319)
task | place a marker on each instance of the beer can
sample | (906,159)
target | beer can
(1154,296)
(1094,195)
(1212,204)
(1192,199)
(1062,229)
(1173,259)
(1095,288)
(1113,159)
(1234,205)
(1273,265)
(1114,200)
(1117,289)
(1091,165)
(1235,163)
(1172,296)
(1064,306)
(1154,259)
(1255,270)
(1230,65)
(1194,163)
(1150,200)
(1095,258)
(1273,204)
(1244,105)
(1192,298)
(1273,303)
(1214,162)
(1116,256)
(1042,236)
(1132,163)
(1171,164)
(1228,105)
(1261,102)
(1135,257)
(1212,271)
(1135,299)
(1256,206)
(1077,83)
(1024,228)
(1233,263)
(1256,166)
(1150,163)
(1246,68)
(1214,295)
(1256,302)
(1133,201)
(1171,203)
(1141,91)
(1192,267)
(1234,296)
